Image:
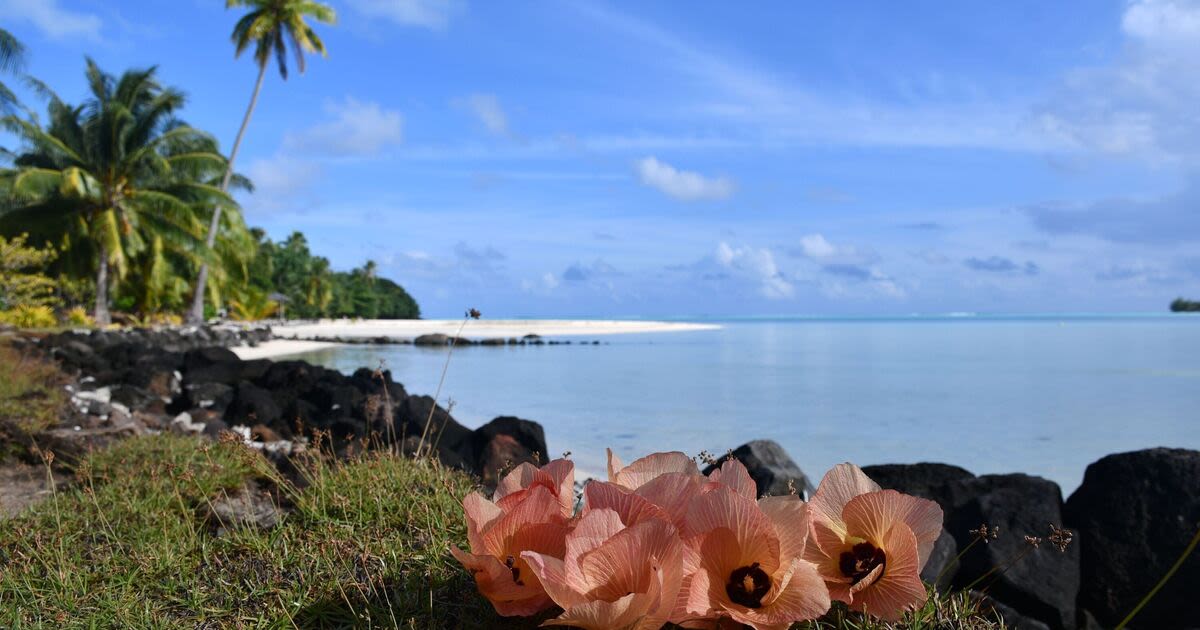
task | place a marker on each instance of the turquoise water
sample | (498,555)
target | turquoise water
(1044,395)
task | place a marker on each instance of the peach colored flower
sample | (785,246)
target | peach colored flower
(528,519)
(643,470)
(871,544)
(614,574)
(558,476)
(751,566)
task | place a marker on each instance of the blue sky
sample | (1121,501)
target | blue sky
(600,158)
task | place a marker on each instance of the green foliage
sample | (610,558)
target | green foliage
(252,306)
(20,282)
(272,26)
(77,316)
(313,290)
(28,316)
(118,182)
(12,57)
(1181,305)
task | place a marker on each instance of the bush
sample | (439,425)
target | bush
(78,316)
(26,316)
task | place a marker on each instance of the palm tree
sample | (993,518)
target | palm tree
(270,26)
(114,178)
(12,57)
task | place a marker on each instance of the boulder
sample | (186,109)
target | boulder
(444,430)
(203,357)
(1040,583)
(252,405)
(527,433)
(212,365)
(138,399)
(215,396)
(942,565)
(1135,513)
(246,507)
(925,480)
(770,468)
(500,455)
(433,339)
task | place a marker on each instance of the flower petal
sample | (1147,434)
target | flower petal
(842,483)
(789,516)
(804,597)
(495,582)
(590,531)
(753,534)
(673,493)
(481,514)
(518,478)
(536,505)
(632,508)
(900,587)
(552,574)
(873,514)
(643,470)
(633,559)
(733,473)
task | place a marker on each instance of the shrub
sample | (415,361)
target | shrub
(26,316)
(78,316)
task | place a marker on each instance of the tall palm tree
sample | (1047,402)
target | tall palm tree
(270,26)
(12,57)
(113,178)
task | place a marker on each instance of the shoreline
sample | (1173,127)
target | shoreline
(408,329)
(275,348)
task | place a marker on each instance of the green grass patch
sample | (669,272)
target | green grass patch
(32,397)
(364,543)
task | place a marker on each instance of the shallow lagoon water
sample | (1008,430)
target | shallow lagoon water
(1042,395)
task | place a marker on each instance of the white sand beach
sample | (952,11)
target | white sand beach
(278,348)
(407,329)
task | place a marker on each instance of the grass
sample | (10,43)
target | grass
(31,398)
(365,543)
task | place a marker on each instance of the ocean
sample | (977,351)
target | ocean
(1044,395)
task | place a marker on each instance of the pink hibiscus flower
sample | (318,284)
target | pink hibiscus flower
(871,544)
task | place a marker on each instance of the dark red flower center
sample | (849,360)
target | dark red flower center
(748,585)
(510,562)
(860,560)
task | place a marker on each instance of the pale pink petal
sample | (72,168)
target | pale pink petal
(537,505)
(495,582)
(649,552)
(789,516)
(614,465)
(842,483)
(561,473)
(899,588)
(601,615)
(754,535)
(733,474)
(481,514)
(518,478)
(804,597)
(872,515)
(552,574)
(643,470)
(673,493)
(591,530)
(631,507)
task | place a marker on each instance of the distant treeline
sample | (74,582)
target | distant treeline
(306,287)
(1181,305)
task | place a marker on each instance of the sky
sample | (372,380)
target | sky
(594,158)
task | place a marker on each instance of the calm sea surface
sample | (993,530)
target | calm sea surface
(1042,395)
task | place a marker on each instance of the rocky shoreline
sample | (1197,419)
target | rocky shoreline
(1131,518)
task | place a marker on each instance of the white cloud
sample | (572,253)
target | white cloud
(817,248)
(356,128)
(758,264)
(685,185)
(1142,103)
(280,181)
(486,108)
(431,14)
(53,20)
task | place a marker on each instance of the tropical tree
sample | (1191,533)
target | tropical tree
(112,179)
(271,27)
(12,56)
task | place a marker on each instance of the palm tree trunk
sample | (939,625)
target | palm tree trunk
(100,313)
(196,315)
